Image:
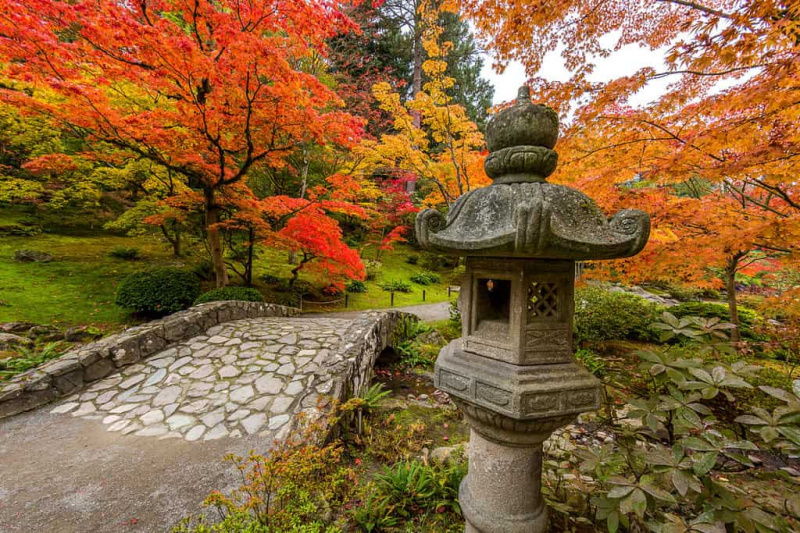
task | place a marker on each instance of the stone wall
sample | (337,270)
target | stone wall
(94,361)
(363,342)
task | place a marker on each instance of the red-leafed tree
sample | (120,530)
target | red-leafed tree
(207,90)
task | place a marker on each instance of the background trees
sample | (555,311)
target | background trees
(208,92)
(714,157)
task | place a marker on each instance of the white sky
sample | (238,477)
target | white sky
(623,62)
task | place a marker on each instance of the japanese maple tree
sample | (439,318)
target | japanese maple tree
(207,90)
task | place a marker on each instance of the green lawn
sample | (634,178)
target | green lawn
(79,285)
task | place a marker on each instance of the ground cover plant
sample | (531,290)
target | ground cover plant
(691,438)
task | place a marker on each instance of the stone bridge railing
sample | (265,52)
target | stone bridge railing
(97,360)
(363,343)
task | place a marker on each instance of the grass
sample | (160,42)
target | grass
(79,285)
(394,267)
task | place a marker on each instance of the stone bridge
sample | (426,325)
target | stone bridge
(139,447)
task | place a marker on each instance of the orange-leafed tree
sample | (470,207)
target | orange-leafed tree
(208,90)
(727,121)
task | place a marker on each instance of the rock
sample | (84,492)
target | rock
(431,337)
(446,454)
(81,334)
(253,423)
(32,256)
(9,341)
(16,327)
(45,333)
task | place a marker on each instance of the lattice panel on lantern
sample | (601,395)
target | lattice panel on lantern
(542,300)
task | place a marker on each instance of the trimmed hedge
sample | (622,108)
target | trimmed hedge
(601,315)
(158,291)
(245,294)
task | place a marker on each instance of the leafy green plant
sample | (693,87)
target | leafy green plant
(747,317)
(602,315)
(245,294)
(356,286)
(396,286)
(204,270)
(657,475)
(158,291)
(426,277)
(372,269)
(126,253)
(592,361)
(412,259)
(781,427)
(291,490)
(30,357)
(372,396)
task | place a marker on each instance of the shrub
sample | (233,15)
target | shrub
(158,291)
(356,286)
(291,490)
(125,253)
(204,270)
(412,259)
(284,298)
(372,268)
(270,279)
(245,294)
(747,317)
(397,286)
(426,277)
(431,261)
(601,315)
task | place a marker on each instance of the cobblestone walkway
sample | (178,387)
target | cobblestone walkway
(247,377)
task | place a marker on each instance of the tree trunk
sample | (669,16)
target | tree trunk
(248,268)
(730,286)
(174,241)
(214,240)
(416,82)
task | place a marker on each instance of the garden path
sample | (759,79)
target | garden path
(139,449)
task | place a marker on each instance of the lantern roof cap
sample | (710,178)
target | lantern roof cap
(520,214)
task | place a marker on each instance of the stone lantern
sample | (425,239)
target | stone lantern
(513,373)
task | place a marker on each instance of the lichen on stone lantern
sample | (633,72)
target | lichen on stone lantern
(513,372)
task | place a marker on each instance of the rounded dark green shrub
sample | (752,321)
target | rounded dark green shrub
(356,286)
(125,253)
(412,259)
(245,294)
(426,278)
(158,291)
(396,286)
(601,315)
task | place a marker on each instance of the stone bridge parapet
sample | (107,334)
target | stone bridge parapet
(92,362)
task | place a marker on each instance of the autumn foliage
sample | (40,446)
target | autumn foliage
(208,90)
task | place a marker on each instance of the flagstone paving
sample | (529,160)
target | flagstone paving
(247,377)
(140,449)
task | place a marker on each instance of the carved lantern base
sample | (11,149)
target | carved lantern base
(514,377)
